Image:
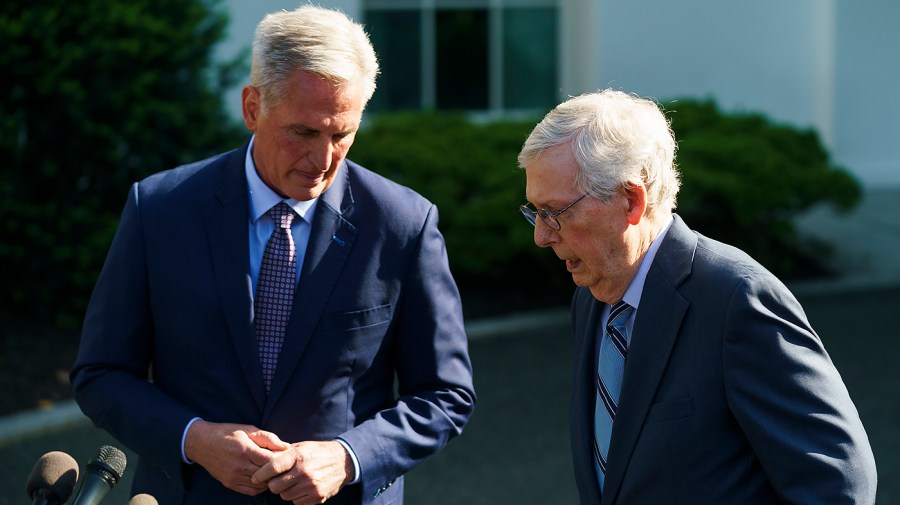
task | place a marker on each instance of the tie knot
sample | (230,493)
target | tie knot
(282,215)
(619,313)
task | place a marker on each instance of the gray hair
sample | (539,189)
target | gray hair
(317,40)
(618,140)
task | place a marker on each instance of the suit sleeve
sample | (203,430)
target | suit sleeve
(436,395)
(791,402)
(112,370)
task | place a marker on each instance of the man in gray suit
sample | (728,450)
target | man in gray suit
(698,378)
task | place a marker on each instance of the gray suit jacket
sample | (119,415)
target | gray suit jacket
(728,397)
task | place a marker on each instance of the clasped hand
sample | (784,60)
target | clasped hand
(249,460)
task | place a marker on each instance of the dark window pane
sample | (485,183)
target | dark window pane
(462,58)
(396,36)
(529,57)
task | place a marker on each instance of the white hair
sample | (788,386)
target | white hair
(618,140)
(316,40)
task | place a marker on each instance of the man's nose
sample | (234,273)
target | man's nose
(544,235)
(321,154)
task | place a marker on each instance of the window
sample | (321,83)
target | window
(477,55)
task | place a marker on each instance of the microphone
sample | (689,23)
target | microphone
(142,499)
(52,479)
(103,472)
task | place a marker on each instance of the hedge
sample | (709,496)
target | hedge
(745,178)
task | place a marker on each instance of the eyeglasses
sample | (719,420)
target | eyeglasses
(550,218)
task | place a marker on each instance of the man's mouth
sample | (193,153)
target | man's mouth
(312,177)
(572,264)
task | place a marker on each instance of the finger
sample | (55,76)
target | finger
(247,490)
(302,494)
(268,440)
(279,464)
(263,475)
(308,499)
(258,455)
(290,485)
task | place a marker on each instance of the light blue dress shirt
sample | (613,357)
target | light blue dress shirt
(263,198)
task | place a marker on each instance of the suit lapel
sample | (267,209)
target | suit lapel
(227,231)
(659,317)
(584,395)
(330,242)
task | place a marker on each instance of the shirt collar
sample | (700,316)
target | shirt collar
(633,294)
(263,198)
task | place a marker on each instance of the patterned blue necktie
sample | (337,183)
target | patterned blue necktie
(275,290)
(611,366)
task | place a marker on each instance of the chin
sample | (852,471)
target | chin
(580,280)
(304,194)
(308,193)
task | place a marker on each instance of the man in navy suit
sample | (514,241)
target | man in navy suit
(708,386)
(373,374)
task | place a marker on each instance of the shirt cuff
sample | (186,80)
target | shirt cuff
(184,438)
(352,454)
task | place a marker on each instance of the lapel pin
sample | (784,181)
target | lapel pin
(338,241)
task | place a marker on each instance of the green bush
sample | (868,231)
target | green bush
(469,171)
(100,93)
(744,180)
(97,94)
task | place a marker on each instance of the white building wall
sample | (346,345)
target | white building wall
(763,55)
(827,64)
(867,90)
(579,47)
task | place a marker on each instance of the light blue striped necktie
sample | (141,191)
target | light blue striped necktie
(611,366)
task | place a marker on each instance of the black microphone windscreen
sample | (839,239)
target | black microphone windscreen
(142,499)
(56,472)
(110,459)
(100,475)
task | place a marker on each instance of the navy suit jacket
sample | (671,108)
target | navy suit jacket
(169,332)
(728,395)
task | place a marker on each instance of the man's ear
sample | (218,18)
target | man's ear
(250,106)
(636,195)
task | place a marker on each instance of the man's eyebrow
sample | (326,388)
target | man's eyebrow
(311,129)
(544,207)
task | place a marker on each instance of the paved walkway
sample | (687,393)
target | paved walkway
(515,449)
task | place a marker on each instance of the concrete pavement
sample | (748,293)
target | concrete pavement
(515,449)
